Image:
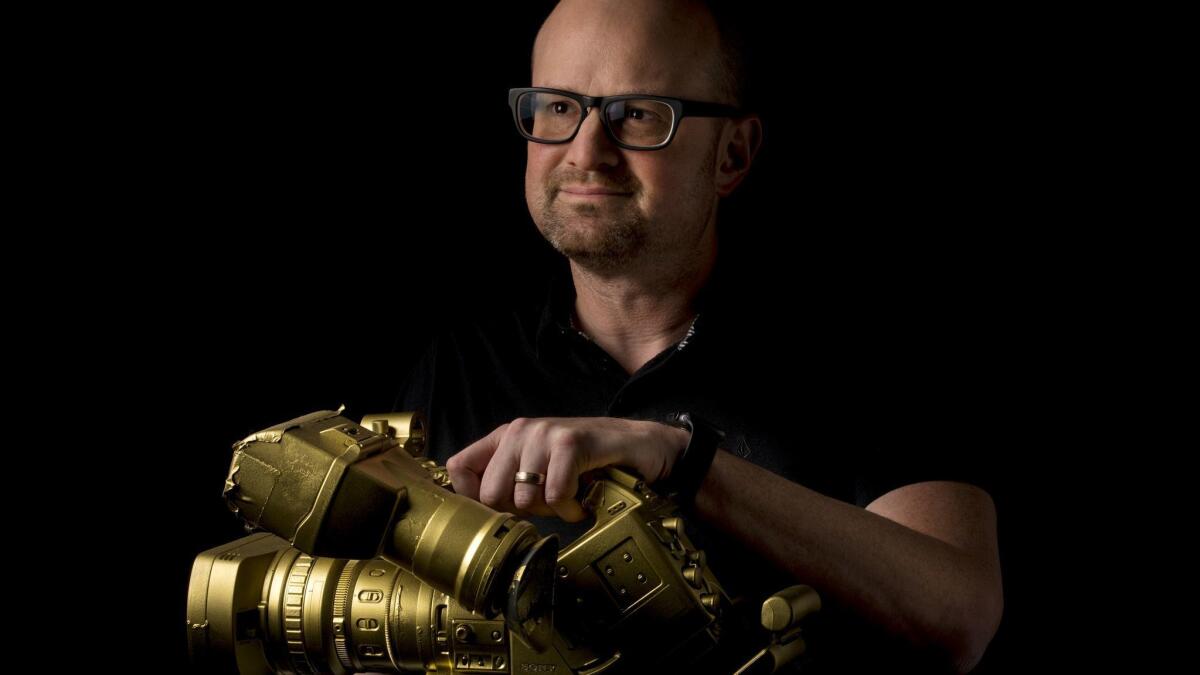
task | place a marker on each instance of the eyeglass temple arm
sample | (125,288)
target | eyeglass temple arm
(702,109)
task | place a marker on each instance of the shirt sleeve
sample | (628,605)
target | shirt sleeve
(416,392)
(416,388)
(439,388)
(945,445)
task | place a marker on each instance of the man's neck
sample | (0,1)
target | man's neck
(634,317)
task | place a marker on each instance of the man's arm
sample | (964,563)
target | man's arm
(921,560)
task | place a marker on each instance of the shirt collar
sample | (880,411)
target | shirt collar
(555,321)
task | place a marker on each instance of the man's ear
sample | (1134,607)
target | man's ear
(740,141)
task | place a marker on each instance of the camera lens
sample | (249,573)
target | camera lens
(257,605)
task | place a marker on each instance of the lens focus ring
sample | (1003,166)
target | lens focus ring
(341,603)
(293,621)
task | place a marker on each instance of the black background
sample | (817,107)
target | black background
(306,229)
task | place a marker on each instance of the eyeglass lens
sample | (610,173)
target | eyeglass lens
(553,117)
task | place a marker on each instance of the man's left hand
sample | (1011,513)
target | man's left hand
(561,448)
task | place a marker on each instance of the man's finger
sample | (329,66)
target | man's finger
(466,468)
(496,488)
(562,485)
(527,496)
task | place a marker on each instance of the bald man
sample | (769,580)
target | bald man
(635,134)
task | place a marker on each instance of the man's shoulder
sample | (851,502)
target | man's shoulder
(460,347)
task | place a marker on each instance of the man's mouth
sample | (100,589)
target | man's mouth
(591,193)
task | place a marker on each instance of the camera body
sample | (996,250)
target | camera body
(632,594)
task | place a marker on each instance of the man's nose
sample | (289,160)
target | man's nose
(592,147)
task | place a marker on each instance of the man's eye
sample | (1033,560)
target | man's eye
(639,114)
(560,108)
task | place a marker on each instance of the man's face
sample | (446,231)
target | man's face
(667,197)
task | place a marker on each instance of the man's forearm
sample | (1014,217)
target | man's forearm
(913,584)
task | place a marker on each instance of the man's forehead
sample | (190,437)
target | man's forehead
(591,83)
(594,48)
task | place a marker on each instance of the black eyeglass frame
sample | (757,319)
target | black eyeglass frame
(680,107)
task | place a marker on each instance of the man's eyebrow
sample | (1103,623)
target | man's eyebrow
(618,92)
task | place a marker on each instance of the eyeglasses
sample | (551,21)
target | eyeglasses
(632,121)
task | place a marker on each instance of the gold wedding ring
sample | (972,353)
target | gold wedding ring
(531,477)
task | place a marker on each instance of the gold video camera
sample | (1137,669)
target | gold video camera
(379,566)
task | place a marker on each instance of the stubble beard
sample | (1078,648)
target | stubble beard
(598,237)
(609,238)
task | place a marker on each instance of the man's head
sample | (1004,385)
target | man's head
(665,212)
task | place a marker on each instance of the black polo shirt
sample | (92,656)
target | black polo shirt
(829,400)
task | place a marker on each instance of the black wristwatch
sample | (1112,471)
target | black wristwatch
(689,470)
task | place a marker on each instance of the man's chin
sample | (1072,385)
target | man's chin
(597,261)
(598,255)
(583,210)
(591,239)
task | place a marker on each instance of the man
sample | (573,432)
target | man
(628,190)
